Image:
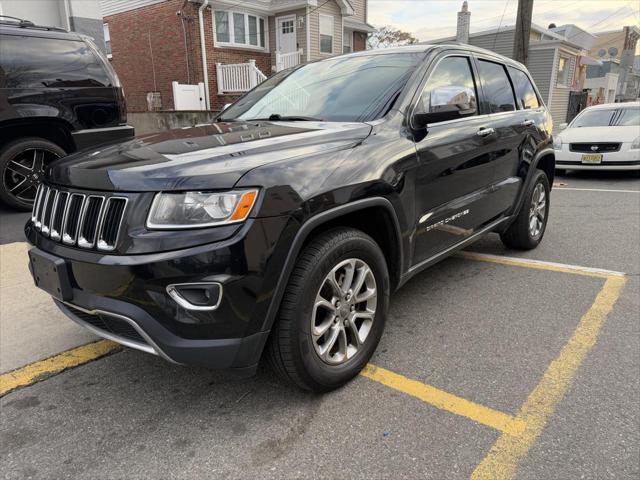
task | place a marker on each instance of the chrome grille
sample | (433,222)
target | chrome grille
(86,221)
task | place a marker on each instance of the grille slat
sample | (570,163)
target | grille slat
(90,221)
(43,202)
(110,226)
(58,215)
(70,229)
(36,203)
(76,219)
(48,211)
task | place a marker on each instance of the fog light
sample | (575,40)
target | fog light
(196,296)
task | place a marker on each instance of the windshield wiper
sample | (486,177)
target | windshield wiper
(275,117)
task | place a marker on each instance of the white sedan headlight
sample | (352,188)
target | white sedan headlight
(557,143)
(635,144)
(172,211)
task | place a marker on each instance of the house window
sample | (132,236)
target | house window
(222,27)
(326,34)
(239,29)
(347,42)
(563,71)
(107,39)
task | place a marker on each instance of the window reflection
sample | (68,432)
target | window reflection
(496,87)
(32,62)
(349,89)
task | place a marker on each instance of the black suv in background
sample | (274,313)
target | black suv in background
(282,229)
(58,94)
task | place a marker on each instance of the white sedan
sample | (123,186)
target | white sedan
(602,137)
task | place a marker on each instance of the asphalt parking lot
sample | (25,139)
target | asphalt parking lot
(491,366)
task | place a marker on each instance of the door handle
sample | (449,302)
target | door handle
(484,132)
(527,123)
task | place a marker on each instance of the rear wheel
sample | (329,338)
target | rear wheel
(333,311)
(526,232)
(22,166)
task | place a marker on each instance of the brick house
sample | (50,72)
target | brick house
(156,46)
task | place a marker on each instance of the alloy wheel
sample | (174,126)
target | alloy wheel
(24,173)
(538,210)
(344,311)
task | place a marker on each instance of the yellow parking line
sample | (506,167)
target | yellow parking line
(446,401)
(540,265)
(502,460)
(36,371)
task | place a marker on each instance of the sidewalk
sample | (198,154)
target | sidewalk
(31,326)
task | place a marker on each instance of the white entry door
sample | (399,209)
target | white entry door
(286,34)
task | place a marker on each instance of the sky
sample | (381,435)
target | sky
(430,19)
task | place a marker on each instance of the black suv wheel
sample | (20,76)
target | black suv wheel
(333,311)
(526,232)
(22,165)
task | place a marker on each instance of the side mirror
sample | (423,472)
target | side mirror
(446,103)
(562,126)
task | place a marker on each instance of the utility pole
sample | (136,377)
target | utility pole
(523,31)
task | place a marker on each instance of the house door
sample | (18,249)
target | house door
(286,34)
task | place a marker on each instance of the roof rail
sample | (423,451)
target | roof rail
(22,23)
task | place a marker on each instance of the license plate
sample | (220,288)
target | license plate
(592,158)
(50,273)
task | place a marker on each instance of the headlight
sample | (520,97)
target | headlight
(557,143)
(635,144)
(171,211)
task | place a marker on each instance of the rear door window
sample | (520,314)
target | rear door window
(525,93)
(496,88)
(34,62)
(627,117)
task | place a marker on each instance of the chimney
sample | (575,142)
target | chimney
(464,20)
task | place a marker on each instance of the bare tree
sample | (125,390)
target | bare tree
(387,36)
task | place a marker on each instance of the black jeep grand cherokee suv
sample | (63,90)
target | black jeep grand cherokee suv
(283,228)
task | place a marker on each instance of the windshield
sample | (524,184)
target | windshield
(341,89)
(618,117)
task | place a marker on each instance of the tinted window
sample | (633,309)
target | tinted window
(32,62)
(451,77)
(349,89)
(498,94)
(627,117)
(525,93)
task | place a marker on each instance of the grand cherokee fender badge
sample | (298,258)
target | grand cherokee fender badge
(450,219)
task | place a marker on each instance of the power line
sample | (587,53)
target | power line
(500,24)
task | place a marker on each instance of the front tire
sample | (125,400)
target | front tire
(526,232)
(333,311)
(22,165)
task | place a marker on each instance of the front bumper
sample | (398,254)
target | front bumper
(125,299)
(138,330)
(624,159)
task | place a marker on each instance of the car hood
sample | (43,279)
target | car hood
(600,134)
(204,157)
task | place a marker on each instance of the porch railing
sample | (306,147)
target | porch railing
(238,77)
(288,60)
